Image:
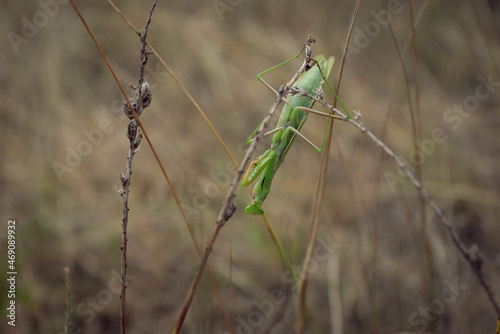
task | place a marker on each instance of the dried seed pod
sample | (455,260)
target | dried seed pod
(127,110)
(123,179)
(131,129)
(145,95)
(137,140)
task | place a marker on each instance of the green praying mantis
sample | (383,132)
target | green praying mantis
(293,116)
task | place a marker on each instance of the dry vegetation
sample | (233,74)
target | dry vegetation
(376,279)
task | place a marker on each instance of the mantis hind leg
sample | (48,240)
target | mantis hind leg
(324,114)
(325,79)
(251,139)
(259,76)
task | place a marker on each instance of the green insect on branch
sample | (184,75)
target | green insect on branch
(298,104)
(293,116)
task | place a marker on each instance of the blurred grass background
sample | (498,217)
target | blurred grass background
(56,88)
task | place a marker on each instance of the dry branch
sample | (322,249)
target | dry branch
(134,134)
(472,255)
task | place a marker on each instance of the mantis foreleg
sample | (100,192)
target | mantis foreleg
(265,164)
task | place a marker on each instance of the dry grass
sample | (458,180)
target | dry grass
(57,86)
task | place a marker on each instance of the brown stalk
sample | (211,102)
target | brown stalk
(423,217)
(318,200)
(135,136)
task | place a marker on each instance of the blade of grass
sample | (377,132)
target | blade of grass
(318,198)
(417,138)
(429,262)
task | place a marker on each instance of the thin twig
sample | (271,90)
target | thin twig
(134,134)
(318,199)
(228,206)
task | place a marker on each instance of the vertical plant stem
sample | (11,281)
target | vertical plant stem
(429,263)
(317,201)
(143,99)
(123,248)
